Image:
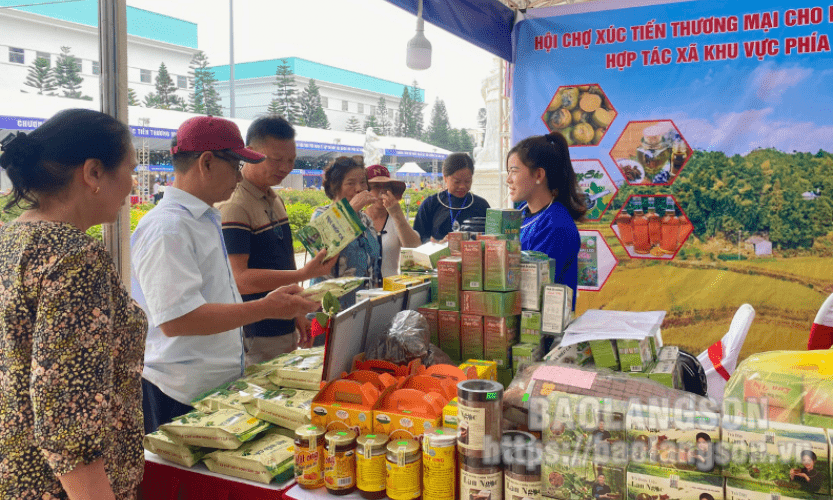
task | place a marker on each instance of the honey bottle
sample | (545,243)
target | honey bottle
(641,238)
(670,228)
(625,225)
(654,224)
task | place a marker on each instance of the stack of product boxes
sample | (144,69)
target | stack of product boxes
(639,358)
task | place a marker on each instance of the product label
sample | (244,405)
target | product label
(481,486)
(340,470)
(308,467)
(370,473)
(471,427)
(404,481)
(438,469)
(516,490)
(552,315)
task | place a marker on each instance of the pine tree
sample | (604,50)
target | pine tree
(312,113)
(466,144)
(372,122)
(40,76)
(285,94)
(204,99)
(353,125)
(132,100)
(274,108)
(67,78)
(417,113)
(438,133)
(382,117)
(402,128)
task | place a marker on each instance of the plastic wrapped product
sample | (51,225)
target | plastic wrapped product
(269,458)
(406,338)
(222,399)
(289,408)
(162,444)
(336,286)
(299,372)
(224,429)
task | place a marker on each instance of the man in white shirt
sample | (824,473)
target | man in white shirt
(182,278)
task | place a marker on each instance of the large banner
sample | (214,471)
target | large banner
(700,132)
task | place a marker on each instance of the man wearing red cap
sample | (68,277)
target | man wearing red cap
(183,280)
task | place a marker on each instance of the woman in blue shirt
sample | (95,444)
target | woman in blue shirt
(542,176)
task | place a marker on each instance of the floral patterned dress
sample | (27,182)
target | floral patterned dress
(71,351)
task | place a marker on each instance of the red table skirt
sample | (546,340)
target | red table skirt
(165,482)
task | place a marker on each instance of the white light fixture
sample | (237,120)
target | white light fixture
(419,48)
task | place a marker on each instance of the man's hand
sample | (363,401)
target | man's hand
(361,200)
(304,327)
(285,303)
(318,266)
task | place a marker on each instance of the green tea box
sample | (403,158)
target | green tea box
(575,354)
(634,355)
(525,353)
(737,489)
(535,273)
(431,314)
(448,323)
(646,482)
(435,289)
(585,425)
(472,255)
(502,266)
(605,353)
(668,353)
(674,438)
(499,335)
(448,279)
(498,304)
(570,478)
(530,326)
(504,221)
(471,336)
(455,239)
(794,457)
(556,308)
(666,373)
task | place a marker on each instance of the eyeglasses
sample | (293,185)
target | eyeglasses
(233,161)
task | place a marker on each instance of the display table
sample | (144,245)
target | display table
(164,480)
(298,493)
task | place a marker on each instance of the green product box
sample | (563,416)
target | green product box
(666,373)
(435,289)
(472,255)
(530,326)
(525,353)
(534,275)
(455,238)
(504,221)
(575,354)
(431,314)
(773,452)
(647,482)
(499,335)
(643,374)
(586,426)
(571,478)
(502,266)
(505,376)
(556,308)
(448,323)
(499,304)
(679,439)
(605,354)
(668,353)
(489,237)
(737,489)
(471,336)
(448,279)
(422,258)
(634,355)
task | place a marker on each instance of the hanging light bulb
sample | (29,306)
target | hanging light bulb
(419,48)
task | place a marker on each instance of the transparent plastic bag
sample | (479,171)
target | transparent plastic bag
(406,338)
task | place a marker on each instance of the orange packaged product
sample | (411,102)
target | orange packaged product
(345,405)
(380,381)
(451,372)
(426,383)
(408,413)
(380,366)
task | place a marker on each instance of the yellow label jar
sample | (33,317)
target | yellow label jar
(340,462)
(439,468)
(309,456)
(371,472)
(404,467)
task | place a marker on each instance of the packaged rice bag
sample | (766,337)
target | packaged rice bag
(222,399)
(289,408)
(162,444)
(299,372)
(269,458)
(224,429)
(336,286)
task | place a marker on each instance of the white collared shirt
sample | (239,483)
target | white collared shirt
(179,263)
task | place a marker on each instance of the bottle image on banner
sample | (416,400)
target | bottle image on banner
(588,266)
(625,224)
(685,229)
(654,224)
(670,228)
(641,239)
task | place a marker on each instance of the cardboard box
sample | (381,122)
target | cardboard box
(407,413)
(345,404)
(471,336)
(530,326)
(401,282)
(645,481)
(576,354)
(737,489)
(643,374)
(568,478)
(668,353)
(605,353)
(455,238)
(556,308)
(586,426)
(496,304)
(490,237)
(525,353)
(634,355)
(766,455)
(502,266)
(431,314)
(499,335)
(505,221)
(448,278)
(449,331)
(472,256)
(450,413)
(435,289)
(486,370)
(534,275)
(666,373)
(423,257)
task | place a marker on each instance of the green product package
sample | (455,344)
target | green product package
(666,373)
(435,289)
(333,230)
(498,304)
(668,353)
(422,258)
(556,308)
(162,444)
(530,326)
(505,376)
(224,429)
(634,355)
(506,221)
(645,481)
(574,354)
(289,408)
(472,256)
(431,314)
(449,330)
(605,354)
(448,277)
(571,478)
(269,458)
(499,335)
(737,489)
(588,265)
(471,336)
(534,275)
(502,266)
(525,353)
(336,286)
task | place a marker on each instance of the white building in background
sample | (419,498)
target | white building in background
(27,33)
(344,93)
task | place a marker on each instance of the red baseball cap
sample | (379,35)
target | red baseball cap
(209,133)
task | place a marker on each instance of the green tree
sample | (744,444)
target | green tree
(274,108)
(67,77)
(439,130)
(312,113)
(410,121)
(405,109)
(372,122)
(466,143)
(40,77)
(353,125)
(132,100)
(165,96)
(418,112)
(383,118)
(204,99)
(286,94)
